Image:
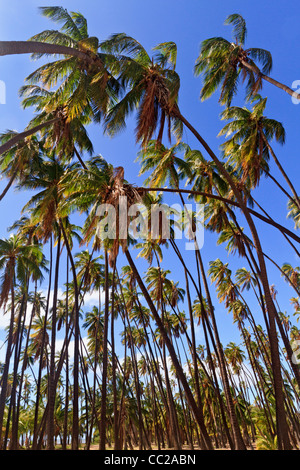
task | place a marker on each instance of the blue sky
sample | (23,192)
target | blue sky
(271,25)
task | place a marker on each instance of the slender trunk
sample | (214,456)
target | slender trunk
(35,47)
(18,345)
(80,159)
(114,384)
(43,350)
(25,358)
(66,413)
(285,176)
(228,201)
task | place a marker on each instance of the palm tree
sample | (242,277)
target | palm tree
(224,63)
(248,148)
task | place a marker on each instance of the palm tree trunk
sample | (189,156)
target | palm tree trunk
(18,345)
(75,427)
(25,358)
(52,385)
(35,47)
(285,176)
(282,428)
(4,377)
(227,201)
(66,413)
(271,80)
(105,360)
(9,184)
(114,384)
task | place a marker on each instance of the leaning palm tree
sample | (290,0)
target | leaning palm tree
(44,212)
(15,162)
(225,63)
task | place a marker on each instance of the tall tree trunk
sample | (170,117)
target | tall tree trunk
(9,184)
(114,384)
(285,176)
(66,413)
(43,350)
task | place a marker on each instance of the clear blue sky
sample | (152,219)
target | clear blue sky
(272,25)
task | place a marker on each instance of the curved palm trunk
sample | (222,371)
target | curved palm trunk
(52,385)
(105,360)
(35,426)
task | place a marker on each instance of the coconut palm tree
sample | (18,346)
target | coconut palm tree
(225,63)
(85,86)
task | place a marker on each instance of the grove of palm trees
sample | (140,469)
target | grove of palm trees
(186,340)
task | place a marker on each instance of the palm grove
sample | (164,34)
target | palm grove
(167,390)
